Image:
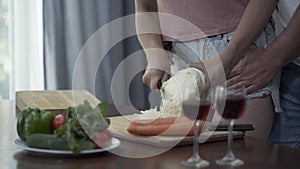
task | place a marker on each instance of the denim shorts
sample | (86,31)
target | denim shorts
(286,125)
(208,47)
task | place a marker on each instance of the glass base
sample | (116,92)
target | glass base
(234,162)
(195,162)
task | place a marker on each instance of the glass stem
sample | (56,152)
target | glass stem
(196,140)
(229,146)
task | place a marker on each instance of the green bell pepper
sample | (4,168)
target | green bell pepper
(34,120)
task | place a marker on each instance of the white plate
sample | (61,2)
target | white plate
(19,143)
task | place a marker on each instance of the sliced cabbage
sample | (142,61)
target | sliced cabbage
(184,85)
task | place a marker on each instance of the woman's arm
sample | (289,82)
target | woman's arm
(149,22)
(148,33)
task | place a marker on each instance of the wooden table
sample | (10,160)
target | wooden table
(256,153)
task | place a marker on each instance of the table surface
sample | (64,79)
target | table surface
(255,152)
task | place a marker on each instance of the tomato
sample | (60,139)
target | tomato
(102,139)
(58,121)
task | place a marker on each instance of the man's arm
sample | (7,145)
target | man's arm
(254,19)
(287,46)
(260,66)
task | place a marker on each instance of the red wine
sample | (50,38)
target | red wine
(196,110)
(234,107)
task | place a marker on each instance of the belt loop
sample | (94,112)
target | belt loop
(220,37)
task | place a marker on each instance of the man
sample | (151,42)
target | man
(260,66)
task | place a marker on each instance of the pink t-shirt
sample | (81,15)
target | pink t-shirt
(184,20)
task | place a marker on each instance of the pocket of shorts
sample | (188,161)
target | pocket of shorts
(270,32)
(228,37)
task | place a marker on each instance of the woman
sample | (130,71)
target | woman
(217,21)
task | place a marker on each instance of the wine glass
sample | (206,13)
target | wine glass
(234,103)
(196,108)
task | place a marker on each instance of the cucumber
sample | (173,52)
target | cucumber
(86,144)
(59,144)
(47,141)
(39,140)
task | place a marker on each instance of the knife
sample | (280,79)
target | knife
(236,127)
(159,84)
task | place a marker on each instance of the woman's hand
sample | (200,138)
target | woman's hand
(149,36)
(158,68)
(213,70)
(152,77)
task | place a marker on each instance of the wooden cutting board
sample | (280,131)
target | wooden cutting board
(119,125)
(53,100)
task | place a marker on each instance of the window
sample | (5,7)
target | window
(4,53)
(21,47)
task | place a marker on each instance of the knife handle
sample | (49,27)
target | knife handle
(159,84)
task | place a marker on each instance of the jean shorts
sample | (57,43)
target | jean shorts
(286,125)
(208,47)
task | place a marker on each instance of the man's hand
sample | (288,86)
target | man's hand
(254,71)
